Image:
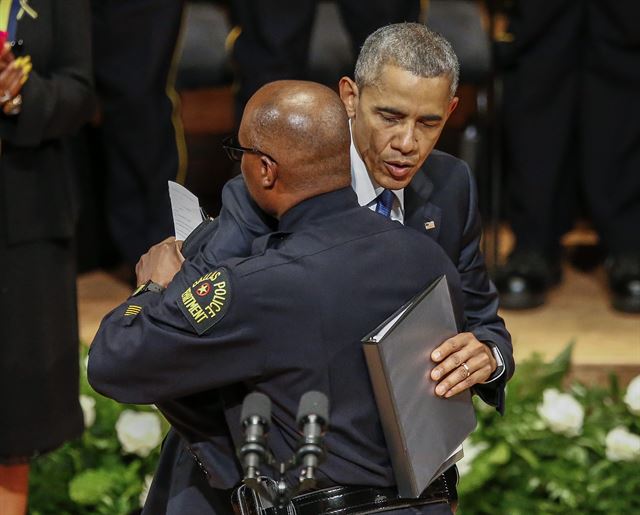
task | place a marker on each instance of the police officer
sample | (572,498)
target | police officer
(290,317)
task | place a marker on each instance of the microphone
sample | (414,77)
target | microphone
(312,420)
(255,419)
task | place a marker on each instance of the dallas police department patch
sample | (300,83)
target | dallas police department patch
(206,301)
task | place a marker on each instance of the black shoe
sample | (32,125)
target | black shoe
(623,272)
(524,281)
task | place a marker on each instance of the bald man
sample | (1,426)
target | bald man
(286,320)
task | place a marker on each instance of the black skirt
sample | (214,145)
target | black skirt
(39,362)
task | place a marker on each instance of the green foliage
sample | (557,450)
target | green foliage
(91,475)
(525,468)
(89,487)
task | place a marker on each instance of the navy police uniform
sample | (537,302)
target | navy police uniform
(283,321)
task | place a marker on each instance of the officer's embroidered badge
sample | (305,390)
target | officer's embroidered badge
(206,301)
(132,310)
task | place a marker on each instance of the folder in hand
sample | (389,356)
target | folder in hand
(423,432)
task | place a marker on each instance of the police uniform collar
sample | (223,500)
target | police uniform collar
(320,206)
(266,241)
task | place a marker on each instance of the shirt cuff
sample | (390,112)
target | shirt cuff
(497,373)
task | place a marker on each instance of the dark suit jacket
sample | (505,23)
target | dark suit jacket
(37,179)
(444,192)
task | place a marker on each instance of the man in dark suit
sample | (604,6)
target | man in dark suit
(275,321)
(404,91)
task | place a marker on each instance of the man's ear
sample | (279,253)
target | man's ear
(268,172)
(452,106)
(350,95)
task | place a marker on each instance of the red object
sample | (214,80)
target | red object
(204,289)
(3,37)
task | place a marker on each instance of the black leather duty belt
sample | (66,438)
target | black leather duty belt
(353,500)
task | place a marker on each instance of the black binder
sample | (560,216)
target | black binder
(423,432)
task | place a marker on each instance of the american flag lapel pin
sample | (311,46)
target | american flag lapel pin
(429,224)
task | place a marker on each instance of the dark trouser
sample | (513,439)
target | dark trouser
(572,119)
(274,43)
(134,42)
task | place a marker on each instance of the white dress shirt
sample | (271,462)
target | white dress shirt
(367,190)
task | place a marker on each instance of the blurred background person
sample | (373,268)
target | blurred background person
(46,94)
(141,137)
(572,120)
(274,36)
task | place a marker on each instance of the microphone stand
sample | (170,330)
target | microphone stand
(310,453)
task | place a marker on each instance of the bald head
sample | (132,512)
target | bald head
(304,127)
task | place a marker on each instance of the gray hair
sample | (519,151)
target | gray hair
(410,46)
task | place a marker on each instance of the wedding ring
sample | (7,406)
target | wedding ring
(6,96)
(466,369)
(13,106)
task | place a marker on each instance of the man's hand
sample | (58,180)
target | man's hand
(462,362)
(160,263)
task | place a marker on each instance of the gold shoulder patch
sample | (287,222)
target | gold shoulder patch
(206,301)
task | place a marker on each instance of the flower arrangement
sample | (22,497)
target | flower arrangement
(108,470)
(554,452)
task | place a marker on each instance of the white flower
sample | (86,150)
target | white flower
(632,398)
(561,412)
(88,405)
(471,450)
(146,485)
(622,445)
(139,432)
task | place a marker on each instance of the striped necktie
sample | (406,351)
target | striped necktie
(385,203)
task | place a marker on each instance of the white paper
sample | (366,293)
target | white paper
(456,452)
(185,207)
(384,330)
